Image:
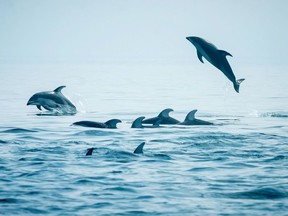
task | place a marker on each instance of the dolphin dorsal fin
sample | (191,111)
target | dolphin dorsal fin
(200,56)
(224,53)
(139,149)
(90,151)
(112,123)
(191,115)
(165,113)
(58,90)
(137,123)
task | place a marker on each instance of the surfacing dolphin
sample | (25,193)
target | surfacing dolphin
(111,124)
(53,101)
(137,123)
(215,57)
(191,120)
(163,116)
(138,150)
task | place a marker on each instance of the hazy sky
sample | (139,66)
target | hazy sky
(87,31)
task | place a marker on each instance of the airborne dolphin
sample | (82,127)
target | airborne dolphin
(53,101)
(215,57)
(137,123)
(111,124)
(163,116)
(191,120)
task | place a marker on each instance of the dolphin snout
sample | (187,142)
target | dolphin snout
(30,102)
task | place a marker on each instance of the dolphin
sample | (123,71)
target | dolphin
(138,150)
(137,123)
(53,101)
(191,120)
(111,124)
(216,57)
(163,116)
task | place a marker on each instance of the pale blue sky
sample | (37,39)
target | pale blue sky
(88,31)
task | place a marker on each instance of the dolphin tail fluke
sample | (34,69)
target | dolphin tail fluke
(237,84)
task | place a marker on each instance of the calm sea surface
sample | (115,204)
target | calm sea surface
(238,166)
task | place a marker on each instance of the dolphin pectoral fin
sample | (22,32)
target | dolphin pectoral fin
(157,123)
(224,53)
(39,107)
(200,56)
(139,149)
(58,90)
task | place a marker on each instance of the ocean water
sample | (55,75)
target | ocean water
(238,166)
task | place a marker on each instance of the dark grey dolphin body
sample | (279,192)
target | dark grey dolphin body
(215,57)
(111,124)
(137,123)
(53,101)
(191,120)
(163,117)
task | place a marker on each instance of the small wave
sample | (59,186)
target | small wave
(18,130)
(54,114)
(95,133)
(261,194)
(275,114)
(101,204)
(10,200)
(277,158)
(2,141)
(122,189)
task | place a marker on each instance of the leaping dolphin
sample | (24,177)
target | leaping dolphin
(111,124)
(163,116)
(137,123)
(191,120)
(215,57)
(53,101)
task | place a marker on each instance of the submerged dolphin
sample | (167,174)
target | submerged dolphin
(137,123)
(53,101)
(191,120)
(138,150)
(163,116)
(111,124)
(215,57)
